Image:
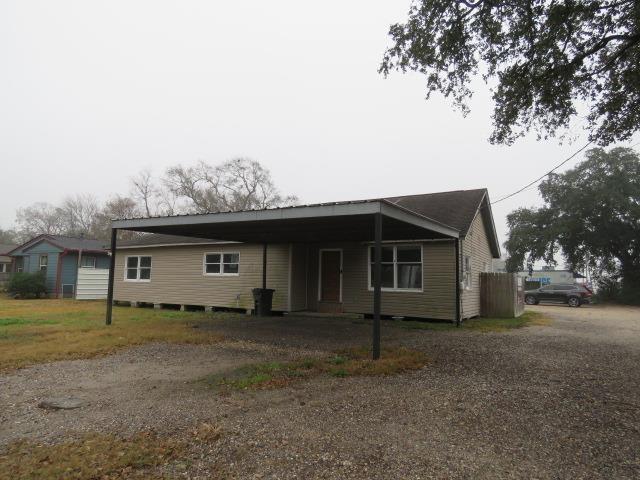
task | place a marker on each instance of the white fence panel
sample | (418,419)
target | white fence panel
(92,283)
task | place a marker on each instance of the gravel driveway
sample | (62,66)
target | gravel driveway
(560,401)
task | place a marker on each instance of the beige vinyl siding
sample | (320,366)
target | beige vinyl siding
(312,276)
(298,277)
(475,244)
(177,276)
(437,300)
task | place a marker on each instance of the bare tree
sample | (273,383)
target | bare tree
(39,218)
(154,198)
(239,184)
(79,214)
(8,237)
(248,185)
(117,207)
(167,202)
(144,191)
(197,184)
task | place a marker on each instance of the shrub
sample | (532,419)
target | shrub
(27,285)
(609,289)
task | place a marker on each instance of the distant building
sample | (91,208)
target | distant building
(5,263)
(64,260)
(545,275)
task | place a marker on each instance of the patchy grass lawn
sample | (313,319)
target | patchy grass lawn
(36,331)
(102,456)
(527,319)
(354,362)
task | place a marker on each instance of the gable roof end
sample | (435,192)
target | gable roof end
(63,242)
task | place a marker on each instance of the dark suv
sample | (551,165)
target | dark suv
(572,295)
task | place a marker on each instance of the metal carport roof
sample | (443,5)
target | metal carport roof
(321,222)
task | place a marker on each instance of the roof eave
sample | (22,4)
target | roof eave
(164,245)
(290,213)
(497,251)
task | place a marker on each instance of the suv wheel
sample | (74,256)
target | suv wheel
(574,302)
(530,300)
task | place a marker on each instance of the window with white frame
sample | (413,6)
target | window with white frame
(3,268)
(88,262)
(401,267)
(138,269)
(466,272)
(220,263)
(44,262)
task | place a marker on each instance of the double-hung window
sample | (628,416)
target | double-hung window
(44,262)
(138,269)
(466,272)
(401,267)
(221,263)
(88,262)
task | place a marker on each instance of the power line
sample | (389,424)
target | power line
(541,177)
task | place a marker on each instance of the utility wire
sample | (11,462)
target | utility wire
(541,177)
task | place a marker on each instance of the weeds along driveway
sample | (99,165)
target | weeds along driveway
(558,401)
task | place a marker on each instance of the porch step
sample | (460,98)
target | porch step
(329,307)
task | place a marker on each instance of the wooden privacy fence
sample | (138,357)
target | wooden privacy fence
(501,295)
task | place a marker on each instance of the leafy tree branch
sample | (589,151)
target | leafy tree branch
(547,58)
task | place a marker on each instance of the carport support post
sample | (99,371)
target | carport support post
(377,285)
(112,268)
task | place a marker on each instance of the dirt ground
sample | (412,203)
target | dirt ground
(558,401)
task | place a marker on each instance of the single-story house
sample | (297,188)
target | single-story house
(320,257)
(5,262)
(63,259)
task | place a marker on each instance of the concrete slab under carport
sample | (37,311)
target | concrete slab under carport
(326,332)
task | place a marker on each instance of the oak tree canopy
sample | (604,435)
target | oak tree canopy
(549,60)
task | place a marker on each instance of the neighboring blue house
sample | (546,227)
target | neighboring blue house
(60,257)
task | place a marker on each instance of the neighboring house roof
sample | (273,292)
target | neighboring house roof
(455,209)
(4,249)
(161,240)
(62,241)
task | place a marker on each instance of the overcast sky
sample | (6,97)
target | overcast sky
(91,92)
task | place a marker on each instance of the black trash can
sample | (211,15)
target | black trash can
(263,298)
